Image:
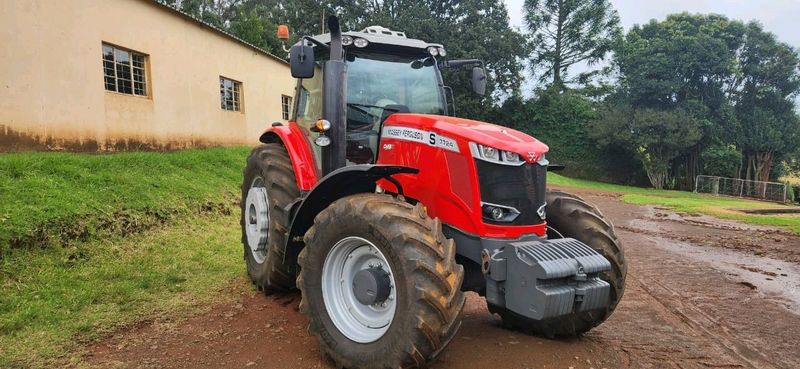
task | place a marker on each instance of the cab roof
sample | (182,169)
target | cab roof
(383,38)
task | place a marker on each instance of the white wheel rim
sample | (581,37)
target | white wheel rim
(256,217)
(356,321)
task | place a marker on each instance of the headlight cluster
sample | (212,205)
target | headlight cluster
(357,41)
(491,154)
(434,51)
(498,213)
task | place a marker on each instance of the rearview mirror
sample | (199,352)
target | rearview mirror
(301,61)
(478,81)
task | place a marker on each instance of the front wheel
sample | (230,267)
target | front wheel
(268,187)
(569,216)
(380,283)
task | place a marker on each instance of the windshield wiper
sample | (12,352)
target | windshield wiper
(373,106)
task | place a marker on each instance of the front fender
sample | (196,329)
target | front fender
(340,183)
(298,147)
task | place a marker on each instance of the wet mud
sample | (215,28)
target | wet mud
(700,293)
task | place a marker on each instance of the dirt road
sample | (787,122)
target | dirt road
(701,293)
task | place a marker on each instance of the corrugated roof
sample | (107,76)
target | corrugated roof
(215,29)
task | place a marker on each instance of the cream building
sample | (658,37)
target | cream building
(97,75)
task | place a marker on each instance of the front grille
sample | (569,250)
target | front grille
(520,187)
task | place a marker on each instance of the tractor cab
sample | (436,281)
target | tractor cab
(385,73)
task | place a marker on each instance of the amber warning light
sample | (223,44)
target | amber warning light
(283,32)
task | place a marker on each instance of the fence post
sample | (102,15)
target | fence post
(785,191)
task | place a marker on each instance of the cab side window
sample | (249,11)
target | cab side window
(309,109)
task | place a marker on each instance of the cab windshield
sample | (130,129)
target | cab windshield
(375,81)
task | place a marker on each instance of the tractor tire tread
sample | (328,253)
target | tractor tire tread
(272,162)
(433,280)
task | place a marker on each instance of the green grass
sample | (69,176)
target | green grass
(75,262)
(47,199)
(688,202)
(53,301)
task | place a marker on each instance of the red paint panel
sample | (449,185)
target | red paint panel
(300,153)
(447,182)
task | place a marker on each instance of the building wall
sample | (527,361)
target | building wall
(52,93)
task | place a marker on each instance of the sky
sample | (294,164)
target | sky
(781,17)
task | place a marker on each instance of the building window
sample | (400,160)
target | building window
(230,94)
(286,106)
(124,71)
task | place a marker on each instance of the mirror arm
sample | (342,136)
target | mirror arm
(315,42)
(461,62)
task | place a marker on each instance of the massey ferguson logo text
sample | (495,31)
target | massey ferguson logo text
(416,135)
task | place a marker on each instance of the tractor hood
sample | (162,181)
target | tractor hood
(465,131)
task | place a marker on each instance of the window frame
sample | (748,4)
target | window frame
(286,107)
(144,71)
(237,93)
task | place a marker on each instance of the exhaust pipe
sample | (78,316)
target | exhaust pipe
(334,104)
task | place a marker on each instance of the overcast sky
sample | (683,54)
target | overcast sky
(780,17)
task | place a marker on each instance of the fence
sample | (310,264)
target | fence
(770,191)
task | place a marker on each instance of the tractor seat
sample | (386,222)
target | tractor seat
(391,109)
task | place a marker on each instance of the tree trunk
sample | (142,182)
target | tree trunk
(559,36)
(657,174)
(766,167)
(692,167)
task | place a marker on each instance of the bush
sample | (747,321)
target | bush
(721,161)
(560,120)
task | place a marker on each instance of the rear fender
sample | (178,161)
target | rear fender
(342,182)
(302,158)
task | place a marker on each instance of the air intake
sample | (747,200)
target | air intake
(383,31)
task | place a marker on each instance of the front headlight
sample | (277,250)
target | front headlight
(360,42)
(489,153)
(493,155)
(511,157)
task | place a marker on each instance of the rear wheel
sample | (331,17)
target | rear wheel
(380,283)
(570,216)
(269,186)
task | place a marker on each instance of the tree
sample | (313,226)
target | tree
(655,137)
(766,83)
(468,29)
(567,32)
(687,61)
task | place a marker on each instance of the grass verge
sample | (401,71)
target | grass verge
(49,199)
(75,263)
(688,202)
(56,300)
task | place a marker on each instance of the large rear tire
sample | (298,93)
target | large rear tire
(269,186)
(422,299)
(570,216)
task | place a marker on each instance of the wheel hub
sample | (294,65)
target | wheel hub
(257,222)
(371,286)
(358,289)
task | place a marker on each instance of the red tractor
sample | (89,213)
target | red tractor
(383,209)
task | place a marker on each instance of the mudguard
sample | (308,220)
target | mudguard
(342,182)
(292,137)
